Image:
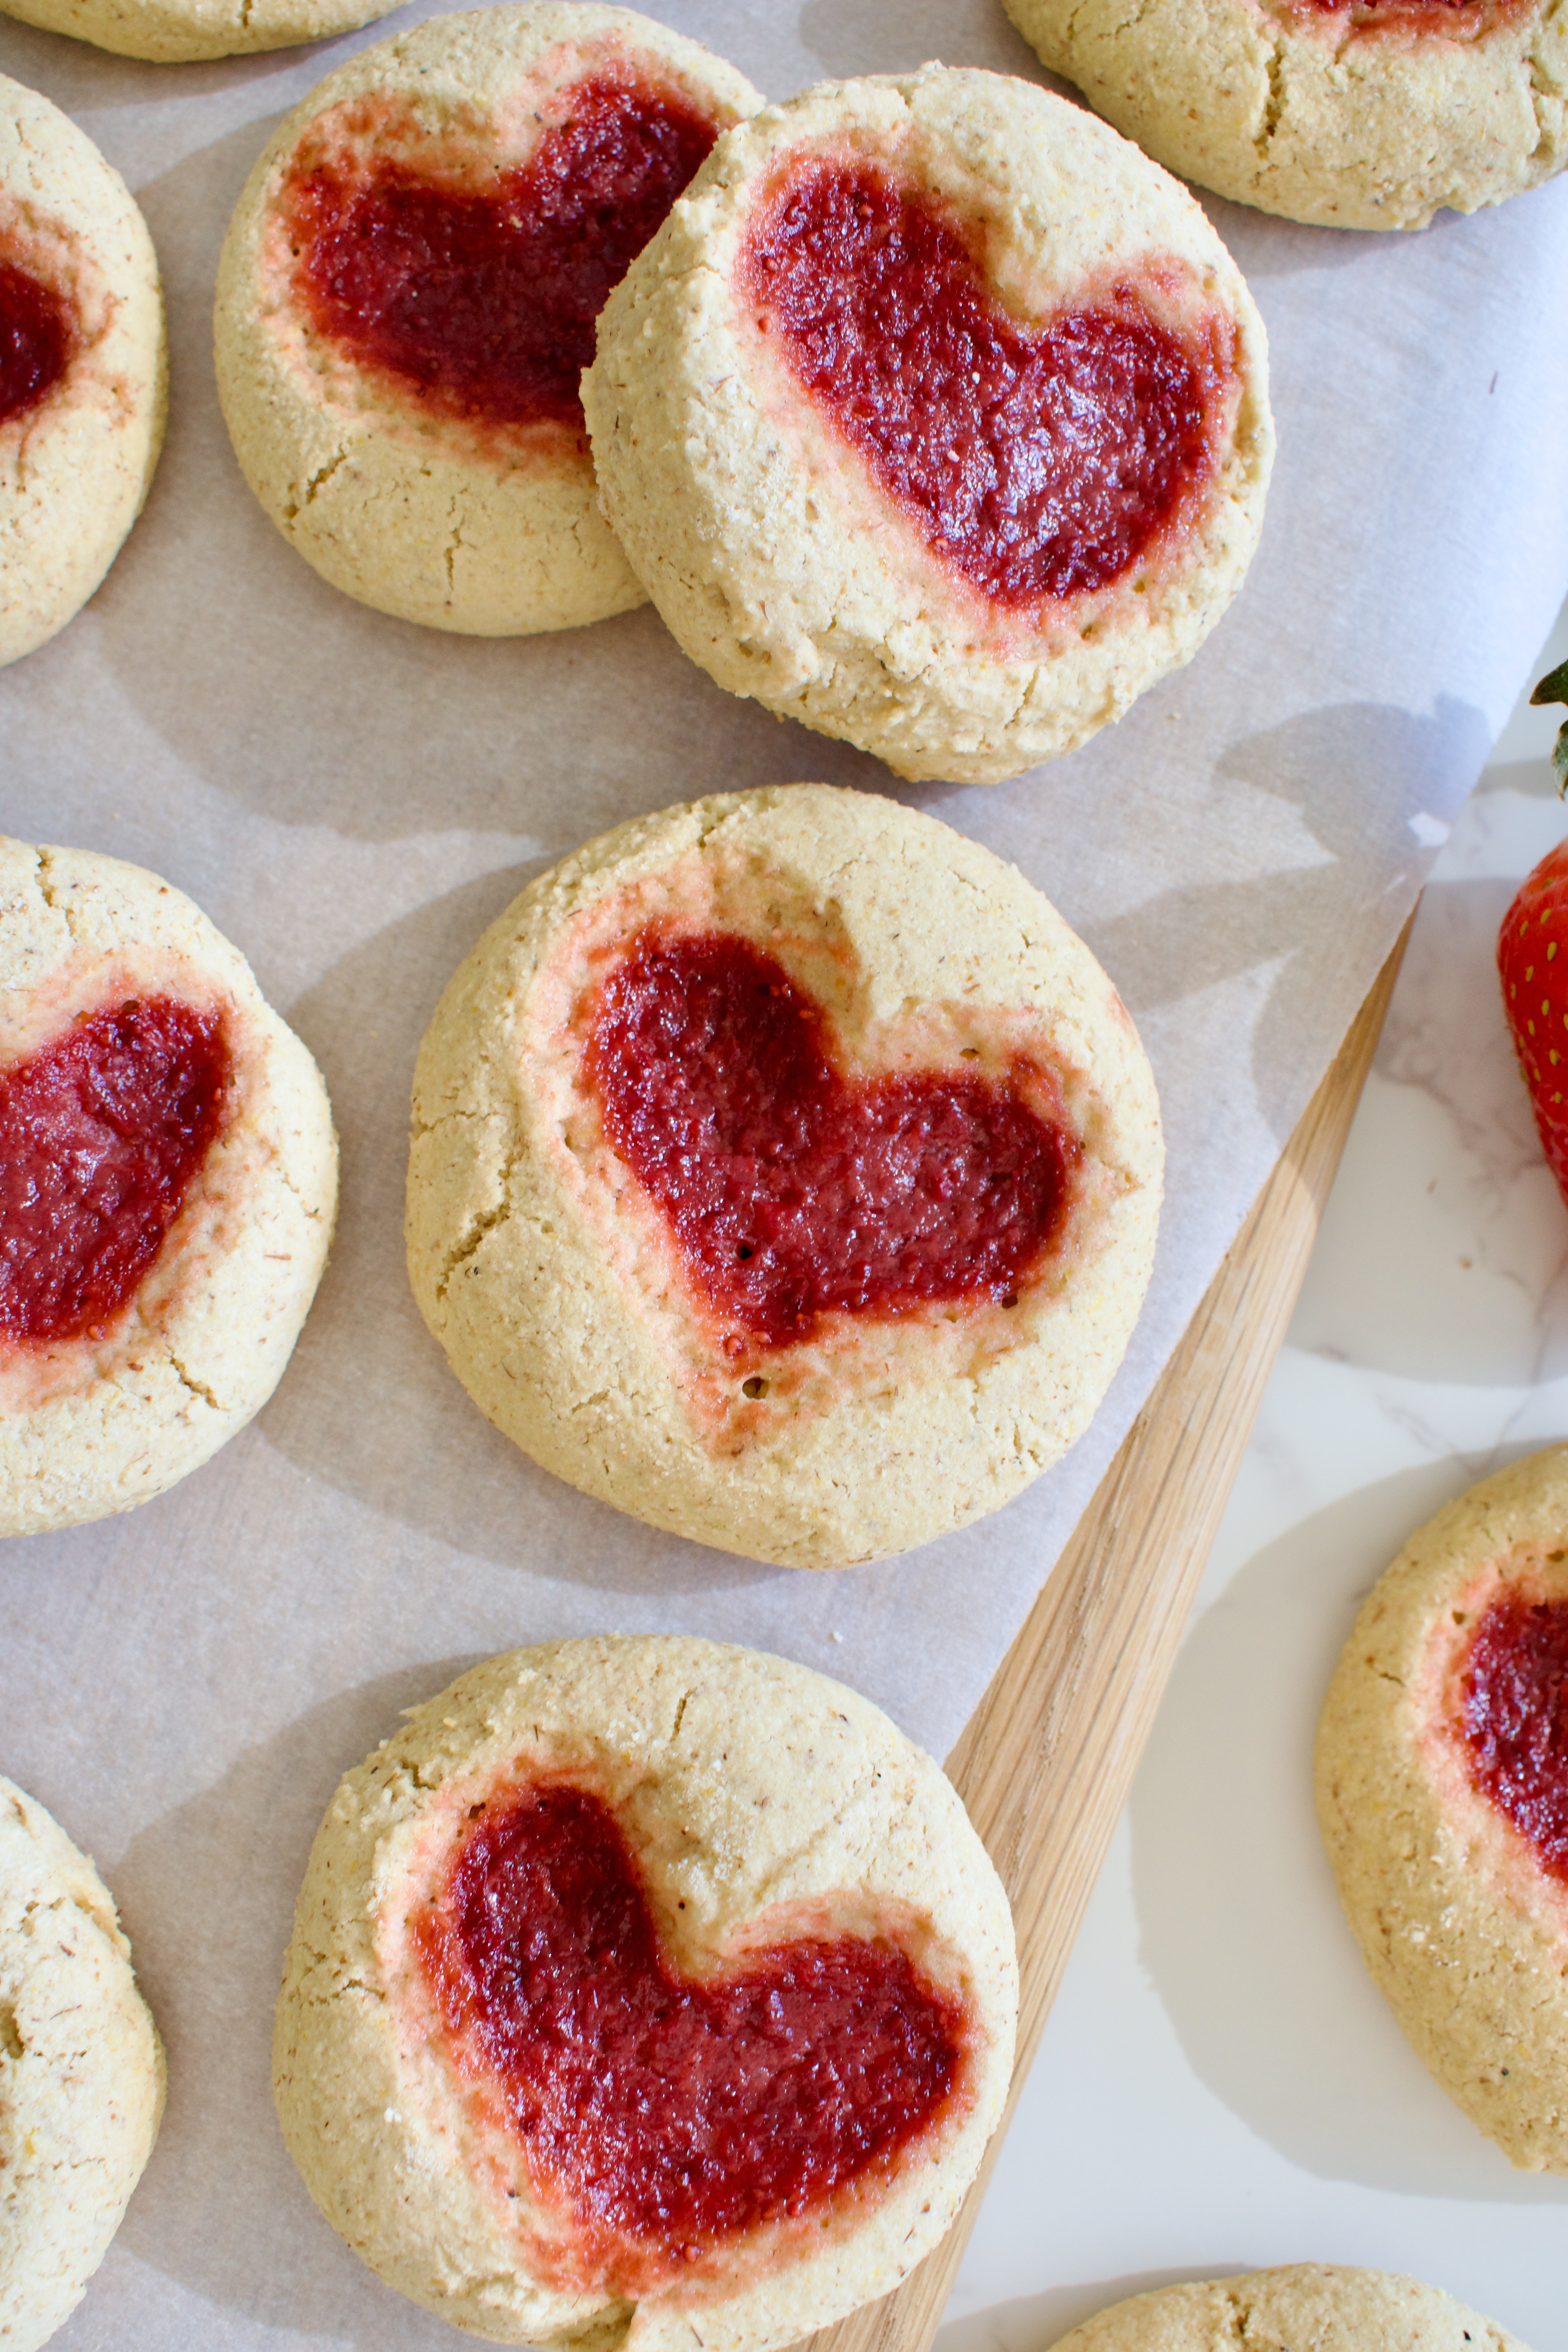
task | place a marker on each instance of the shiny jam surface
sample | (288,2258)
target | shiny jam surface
(1514,1720)
(485,303)
(101,1134)
(791,1190)
(1037,464)
(35,341)
(669,2111)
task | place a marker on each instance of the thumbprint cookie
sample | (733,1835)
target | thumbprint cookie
(784,1172)
(173,32)
(1347,113)
(407,299)
(1442,1778)
(168,1175)
(81,2072)
(82,369)
(645,1992)
(936,418)
(1325,2306)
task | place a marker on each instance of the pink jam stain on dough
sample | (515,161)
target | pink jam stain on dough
(791,1190)
(485,304)
(1037,464)
(1514,1720)
(1449,20)
(101,1135)
(669,2112)
(35,341)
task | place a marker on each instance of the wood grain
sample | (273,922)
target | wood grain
(1046,1762)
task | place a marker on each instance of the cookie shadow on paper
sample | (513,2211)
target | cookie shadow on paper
(207,1894)
(1348,883)
(369,1405)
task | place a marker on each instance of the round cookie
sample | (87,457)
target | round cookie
(1350,113)
(82,367)
(936,418)
(1310,2304)
(575,2040)
(785,1172)
(407,295)
(81,2072)
(172,32)
(168,1175)
(1442,1786)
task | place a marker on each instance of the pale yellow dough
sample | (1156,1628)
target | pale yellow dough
(754,1793)
(1303,2307)
(74,469)
(552,1282)
(763,537)
(91,1426)
(173,32)
(1461,1930)
(81,2072)
(1348,127)
(492,532)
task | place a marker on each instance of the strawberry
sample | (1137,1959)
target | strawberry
(1533,963)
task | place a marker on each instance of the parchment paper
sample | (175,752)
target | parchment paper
(351,799)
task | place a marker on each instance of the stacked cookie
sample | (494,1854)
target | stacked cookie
(956,486)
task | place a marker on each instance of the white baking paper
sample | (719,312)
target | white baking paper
(352,798)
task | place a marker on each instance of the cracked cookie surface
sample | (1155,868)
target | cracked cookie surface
(164,1230)
(173,32)
(83,368)
(81,2072)
(1438,1817)
(1326,2306)
(407,299)
(761,1810)
(836,1384)
(1367,114)
(935,417)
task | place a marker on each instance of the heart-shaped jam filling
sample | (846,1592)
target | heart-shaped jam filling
(667,2112)
(102,1136)
(483,301)
(1513,1720)
(1038,465)
(35,341)
(792,1189)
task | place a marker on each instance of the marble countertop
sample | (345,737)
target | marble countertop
(1220,2088)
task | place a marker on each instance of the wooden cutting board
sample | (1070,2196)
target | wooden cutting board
(1046,1760)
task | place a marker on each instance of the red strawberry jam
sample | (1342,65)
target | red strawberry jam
(667,2112)
(1038,465)
(35,341)
(102,1136)
(485,304)
(1514,1720)
(791,1190)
